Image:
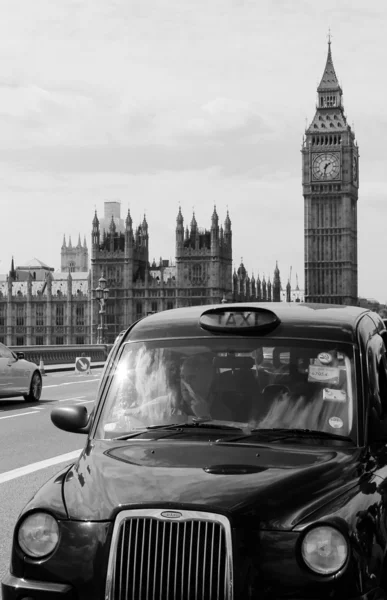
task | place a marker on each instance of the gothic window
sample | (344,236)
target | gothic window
(80,314)
(138,310)
(59,340)
(322,126)
(169,305)
(39,340)
(59,320)
(154,306)
(196,273)
(39,315)
(20,316)
(110,315)
(2,315)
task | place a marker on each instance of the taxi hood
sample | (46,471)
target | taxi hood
(279,486)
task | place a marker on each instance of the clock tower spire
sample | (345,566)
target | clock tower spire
(330,189)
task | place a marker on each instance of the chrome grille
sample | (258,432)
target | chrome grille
(186,556)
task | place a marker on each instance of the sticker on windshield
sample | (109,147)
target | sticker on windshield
(323,374)
(337,395)
(325,358)
(336,422)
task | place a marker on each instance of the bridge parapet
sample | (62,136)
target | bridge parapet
(56,355)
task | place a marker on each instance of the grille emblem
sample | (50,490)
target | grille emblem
(171,514)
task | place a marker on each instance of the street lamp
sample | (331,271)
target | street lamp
(101,295)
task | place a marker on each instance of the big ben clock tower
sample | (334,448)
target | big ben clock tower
(330,181)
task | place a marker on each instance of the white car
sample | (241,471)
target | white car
(18,377)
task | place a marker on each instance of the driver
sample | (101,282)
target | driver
(196,381)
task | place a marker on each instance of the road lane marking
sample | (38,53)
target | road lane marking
(69,383)
(68,399)
(84,402)
(42,464)
(20,415)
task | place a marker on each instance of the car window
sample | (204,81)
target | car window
(5,352)
(281,384)
(377,376)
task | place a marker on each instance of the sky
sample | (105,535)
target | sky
(162,103)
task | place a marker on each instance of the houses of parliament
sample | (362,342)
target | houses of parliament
(41,307)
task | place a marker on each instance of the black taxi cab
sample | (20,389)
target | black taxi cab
(234,452)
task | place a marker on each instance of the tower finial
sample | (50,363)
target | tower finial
(329,36)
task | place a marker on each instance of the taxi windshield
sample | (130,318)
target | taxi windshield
(248,383)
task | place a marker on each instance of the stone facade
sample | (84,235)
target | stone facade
(330,166)
(41,307)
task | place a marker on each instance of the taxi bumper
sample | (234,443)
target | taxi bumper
(16,588)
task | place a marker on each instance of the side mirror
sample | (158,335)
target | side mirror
(71,418)
(19,355)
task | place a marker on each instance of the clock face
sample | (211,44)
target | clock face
(354,168)
(326,166)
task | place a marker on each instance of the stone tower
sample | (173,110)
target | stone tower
(203,261)
(330,180)
(74,259)
(120,254)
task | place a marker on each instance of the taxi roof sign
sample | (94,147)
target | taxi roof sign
(240,320)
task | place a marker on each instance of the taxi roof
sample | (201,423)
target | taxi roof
(297,320)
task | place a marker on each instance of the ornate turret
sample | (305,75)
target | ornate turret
(215,233)
(264,289)
(214,219)
(179,232)
(269,290)
(12,273)
(194,224)
(128,221)
(288,291)
(329,90)
(276,284)
(259,288)
(64,243)
(144,225)
(112,227)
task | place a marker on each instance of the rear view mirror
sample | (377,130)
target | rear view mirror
(71,418)
(19,355)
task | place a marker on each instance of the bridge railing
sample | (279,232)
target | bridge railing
(56,355)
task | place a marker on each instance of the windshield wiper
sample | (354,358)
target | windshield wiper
(207,423)
(283,432)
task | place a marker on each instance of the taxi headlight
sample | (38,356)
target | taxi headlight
(38,535)
(324,550)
